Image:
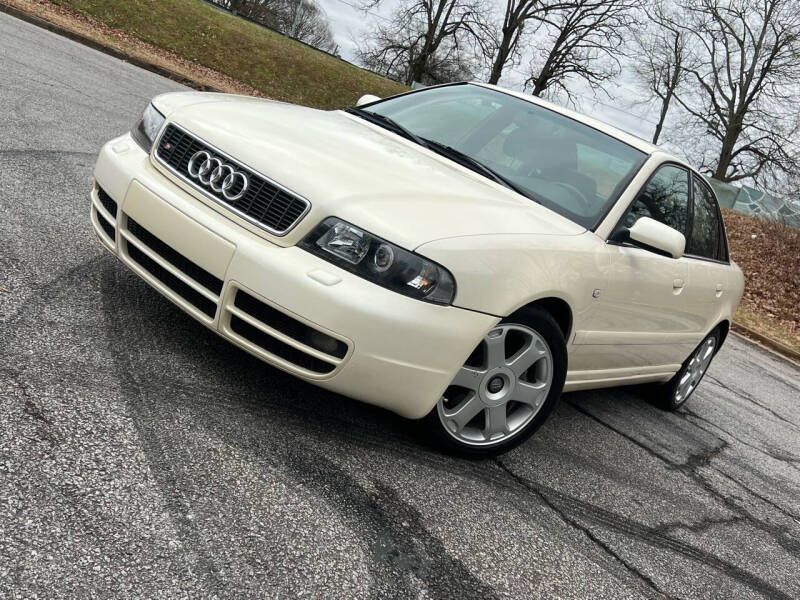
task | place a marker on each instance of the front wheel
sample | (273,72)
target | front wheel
(673,394)
(506,389)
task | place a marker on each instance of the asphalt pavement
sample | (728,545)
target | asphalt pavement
(141,456)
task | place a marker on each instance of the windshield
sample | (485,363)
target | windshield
(569,167)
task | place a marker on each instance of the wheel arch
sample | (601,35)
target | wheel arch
(724,327)
(558,308)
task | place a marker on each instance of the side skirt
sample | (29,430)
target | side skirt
(588,380)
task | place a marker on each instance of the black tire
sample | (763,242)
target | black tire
(540,321)
(666,394)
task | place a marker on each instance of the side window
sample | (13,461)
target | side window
(723,241)
(704,239)
(664,198)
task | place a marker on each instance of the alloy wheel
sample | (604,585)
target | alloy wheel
(500,389)
(695,369)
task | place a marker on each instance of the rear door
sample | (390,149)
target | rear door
(642,318)
(707,254)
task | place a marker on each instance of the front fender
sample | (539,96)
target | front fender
(497,274)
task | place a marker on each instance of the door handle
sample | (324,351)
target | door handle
(719,289)
(678,284)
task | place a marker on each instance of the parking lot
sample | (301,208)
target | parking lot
(142,456)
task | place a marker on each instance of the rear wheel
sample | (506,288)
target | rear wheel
(506,389)
(680,388)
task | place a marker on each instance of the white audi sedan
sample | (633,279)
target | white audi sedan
(460,253)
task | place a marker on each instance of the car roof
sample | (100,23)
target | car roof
(615,132)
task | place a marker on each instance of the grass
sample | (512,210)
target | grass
(768,327)
(275,65)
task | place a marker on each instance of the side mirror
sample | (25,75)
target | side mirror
(652,235)
(367,99)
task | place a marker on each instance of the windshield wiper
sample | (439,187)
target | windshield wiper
(477,166)
(385,121)
(443,149)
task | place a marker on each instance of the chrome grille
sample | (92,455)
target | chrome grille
(264,203)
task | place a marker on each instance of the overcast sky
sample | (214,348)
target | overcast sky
(349,24)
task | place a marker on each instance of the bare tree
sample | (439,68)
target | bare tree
(303,20)
(235,6)
(744,89)
(582,38)
(504,43)
(662,58)
(424,39)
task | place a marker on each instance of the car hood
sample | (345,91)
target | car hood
(359,172)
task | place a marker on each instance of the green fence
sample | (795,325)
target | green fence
(753,202)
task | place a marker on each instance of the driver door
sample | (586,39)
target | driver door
(642,321)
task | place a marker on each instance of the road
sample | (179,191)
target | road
(143,457)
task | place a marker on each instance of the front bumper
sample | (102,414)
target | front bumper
(393,351)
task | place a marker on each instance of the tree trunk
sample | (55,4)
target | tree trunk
(726,152)
(662,117)
(416,69)
(724,161)
(543,79)
(540,85)
(418,65)
(500,60)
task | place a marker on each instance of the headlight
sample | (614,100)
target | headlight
(379,261)
(148,127)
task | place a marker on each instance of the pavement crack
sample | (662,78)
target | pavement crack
(703,459)
(43,290)
(403,549)
(31,408)
(154,447)
(564,516)
(700,526)
(570,509)
(704,456)
(620,433)
(45,429)
(793,545)
(789,460)
(747,397)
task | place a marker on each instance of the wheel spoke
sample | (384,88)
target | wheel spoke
(465,412)
(685,383)
(496,348)
(496,422)
(532,394)
(525,358)
(708,354)
(468,377)
(686,379)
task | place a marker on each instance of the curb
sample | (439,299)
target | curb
(105,49)
(773,345)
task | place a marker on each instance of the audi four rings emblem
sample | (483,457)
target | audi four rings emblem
(219,176)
